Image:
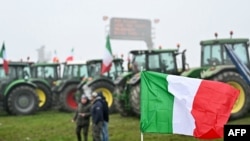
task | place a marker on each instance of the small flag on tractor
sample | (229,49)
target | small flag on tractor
(4,57)
(55,58)
(70,58)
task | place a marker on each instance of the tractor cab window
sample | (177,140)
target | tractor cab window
(241,52)
(116,69)
(168,62)
(26,72)
(94,69)
(153,62)
(79,70)
(83,71)
(139,62)
(48,72)
(67,72)
(212,55)
(11,73)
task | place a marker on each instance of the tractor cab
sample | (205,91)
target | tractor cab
(213,52)
(116,69)
(95,67)
(74,70)
(16,70)
(160,60)
(46,71)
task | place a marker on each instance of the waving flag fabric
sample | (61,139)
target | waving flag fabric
(107,58)
(188,106)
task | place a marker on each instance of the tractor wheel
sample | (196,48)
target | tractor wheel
(242,104)
(107,90)
(120,102)
(67,100)
(45,97)
(135,99)
(23,100)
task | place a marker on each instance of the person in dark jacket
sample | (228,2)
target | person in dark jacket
(105,134)
(97,117)
(82,118)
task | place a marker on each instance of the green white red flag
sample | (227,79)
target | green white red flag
(70,57)
(4,57)
(180,105)
(108,57)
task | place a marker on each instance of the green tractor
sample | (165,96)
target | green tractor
(44,75)
(105,82)
(65,88)
(127,88)
(216,65)
(75,76)
(17,92)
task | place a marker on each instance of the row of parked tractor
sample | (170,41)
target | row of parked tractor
(30,87)
(215,64)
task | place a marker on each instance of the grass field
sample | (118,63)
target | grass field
(57,126)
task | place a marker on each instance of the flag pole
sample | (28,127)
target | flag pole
(141,136)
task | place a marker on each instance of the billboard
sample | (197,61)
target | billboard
(130,29)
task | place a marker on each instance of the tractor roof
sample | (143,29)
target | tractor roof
(152,51)
(94,61)
(75,62)
(18,63)
(224,41)
(100,60)
(46,64)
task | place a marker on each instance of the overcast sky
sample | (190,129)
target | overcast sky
(60,25)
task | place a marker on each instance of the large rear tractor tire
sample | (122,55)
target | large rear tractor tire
(45,97)
(135,99)
(67,99)
(120,102)
(107,90)
(23,100)
(242,104)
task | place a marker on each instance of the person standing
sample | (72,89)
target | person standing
(105,134)
(97,117)
(82,118)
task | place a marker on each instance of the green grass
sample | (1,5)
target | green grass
(57,126)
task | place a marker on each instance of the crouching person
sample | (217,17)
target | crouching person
(97,117)
(82,118)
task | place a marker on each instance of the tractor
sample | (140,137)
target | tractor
(17,93)
(127,89)
(44,76)
(105,82)
(76,75)
(216,65)
(65,88)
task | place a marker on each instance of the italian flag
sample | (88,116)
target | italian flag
(187,106)
(70,58)
(55,58)
(107,58)
(4,57)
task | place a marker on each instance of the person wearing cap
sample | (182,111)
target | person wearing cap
(82,118)
(105,134)
(97,117)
